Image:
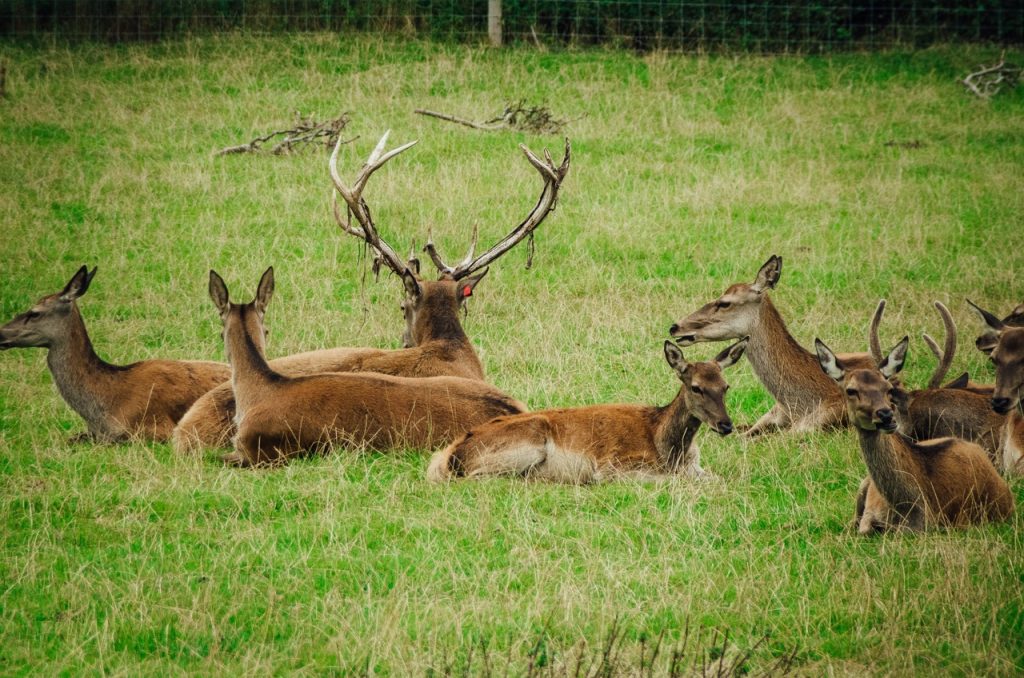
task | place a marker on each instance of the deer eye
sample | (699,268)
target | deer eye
(851,391)
(722,305)
(696,389)
(32,315)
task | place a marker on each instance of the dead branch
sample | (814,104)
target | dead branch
(516,116)
(305,133)
(988,81)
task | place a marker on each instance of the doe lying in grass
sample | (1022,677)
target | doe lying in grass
(585,444)
(805,399)
(118,402)
(435,343)
(1003,341)
(914,485)
(280,417)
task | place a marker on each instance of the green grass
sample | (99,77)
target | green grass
(687,173)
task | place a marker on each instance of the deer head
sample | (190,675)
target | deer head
(869,392)
(704,386)
(427,301)
(47,322)
(1004,345)
(247,317)
(731,315)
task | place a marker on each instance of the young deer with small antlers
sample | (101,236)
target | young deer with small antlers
(599,442)
(958,409)
(915,485)
(1003,342)
(280,417)
(435,343)
(118,402)
(805,399)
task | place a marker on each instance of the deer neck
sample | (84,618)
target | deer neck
(674,430)
(438,320)
(251,376)
(83,379)
(892,467)
(789,372)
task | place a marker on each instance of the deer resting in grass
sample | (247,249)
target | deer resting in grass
(599,442)
(959,409)
(805,399)
(435,343)
(911,485)
(118,402)
(1003,341)
(280,417)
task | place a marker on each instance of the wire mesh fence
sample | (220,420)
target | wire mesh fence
(766,26)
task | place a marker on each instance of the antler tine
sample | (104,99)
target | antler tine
(431,250)
(949,351)
(472,246)
(358,208)
(553,177)
(873,342)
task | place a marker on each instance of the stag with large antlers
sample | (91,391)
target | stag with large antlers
(434,342)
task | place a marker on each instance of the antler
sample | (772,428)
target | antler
(876,346)
(944,356)
(553,176)
(358,208)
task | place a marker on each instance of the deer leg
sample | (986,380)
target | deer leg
(514,447)
(772,420)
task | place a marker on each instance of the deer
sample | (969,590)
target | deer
(957,409)
(600,442)
(911,485)
(143,400)
(434,341)
(281,417)
(805,399)
(1003,342)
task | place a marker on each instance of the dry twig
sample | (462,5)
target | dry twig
(305,133)
(990,80)
(517,116)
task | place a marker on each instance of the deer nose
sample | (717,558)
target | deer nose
(674,328)
(725,427)
(885,417)
(1001,405)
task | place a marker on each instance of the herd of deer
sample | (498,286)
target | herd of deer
(933,455)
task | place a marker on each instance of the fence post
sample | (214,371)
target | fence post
(494,22)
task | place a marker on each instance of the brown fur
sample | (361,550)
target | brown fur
(948,481)
(436,346)
(280,417)
(1003,341)
(586,444)
(142,400)
(805,398)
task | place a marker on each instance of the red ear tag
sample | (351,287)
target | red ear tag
(467,291)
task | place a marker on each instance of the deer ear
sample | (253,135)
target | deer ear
(218,292)
(769,274)
(986,343)
(828,361)
(960,382)
(674,356)
(893,362)
(412,285)
(468,284)
(78,285)
(265,290)
(732,355)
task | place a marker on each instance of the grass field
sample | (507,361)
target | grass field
(872,175)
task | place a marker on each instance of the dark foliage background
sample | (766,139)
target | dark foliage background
(768,25)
